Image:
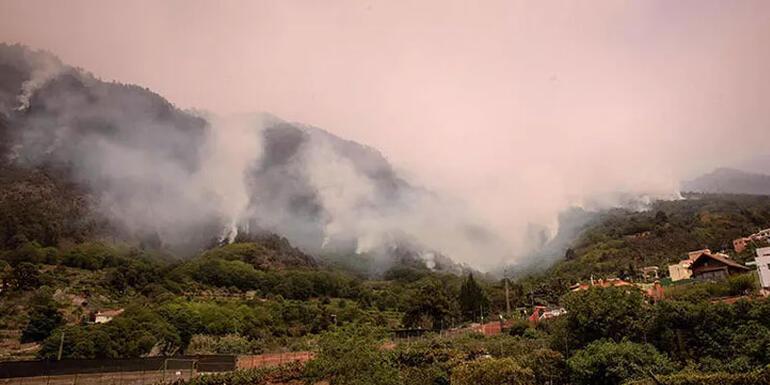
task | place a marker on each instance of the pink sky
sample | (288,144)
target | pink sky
(518,107)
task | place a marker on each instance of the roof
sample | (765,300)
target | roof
(109,313)
(720,258)
(610,282)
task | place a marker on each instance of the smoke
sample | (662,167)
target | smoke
(192,179)
(496,119)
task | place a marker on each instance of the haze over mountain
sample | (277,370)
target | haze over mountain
(509,114)
(729,181)
(154,171)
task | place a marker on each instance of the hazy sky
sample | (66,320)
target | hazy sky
(520,108)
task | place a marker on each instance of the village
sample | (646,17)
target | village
(698,266)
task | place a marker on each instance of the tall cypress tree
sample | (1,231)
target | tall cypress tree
(473,300)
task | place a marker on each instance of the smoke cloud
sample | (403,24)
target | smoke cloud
(494,118)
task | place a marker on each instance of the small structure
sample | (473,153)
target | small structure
(740,244)
(540,313)
(650,272)
(680,271)
(104,316)
(763,266)
(610,282)
(656,292)
(709,266)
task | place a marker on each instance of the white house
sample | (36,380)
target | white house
(763,266)
(104,316)
(680,270)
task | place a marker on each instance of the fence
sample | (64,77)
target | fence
(15,369)
(140,371)
(276,359)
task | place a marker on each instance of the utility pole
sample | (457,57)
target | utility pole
(507,296)
(481,312)
(61,346)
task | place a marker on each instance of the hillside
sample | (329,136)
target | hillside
(729,181)
(618,243)
(116,161)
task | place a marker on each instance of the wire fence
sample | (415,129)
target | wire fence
(143,371)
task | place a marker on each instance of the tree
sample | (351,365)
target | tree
(570,254)
(609,363)
(613,313)
(6,275)
(431,305)
(44,317)
(42,322)
(492,371)
(473,300)
(353,356)
(25,276)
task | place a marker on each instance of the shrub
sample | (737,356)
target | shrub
(492,371)
(614,313)
(761,377)
(353,356)
(608,363)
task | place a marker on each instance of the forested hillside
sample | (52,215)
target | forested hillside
(619,243)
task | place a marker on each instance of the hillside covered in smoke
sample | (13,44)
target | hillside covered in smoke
(729,181)
(83,158)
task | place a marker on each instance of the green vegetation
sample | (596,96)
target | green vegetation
(618,243)
(261,295)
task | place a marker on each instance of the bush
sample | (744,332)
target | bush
(518,327)
(261,376)
(43,320)
(492,371)
(613,313)
(609,363)
(761,377)
(353,356)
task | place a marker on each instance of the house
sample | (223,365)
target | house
(104,316)
(695,254)
(540,313)
(763,266)
(610,282)
(709,266)
(680,271)
(741,244)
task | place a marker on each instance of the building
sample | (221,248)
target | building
(650,272)
(741,244)
(680,271)
(695,254)
(715,266)
(104,316)
(763,266)
(540,313)
(610,282)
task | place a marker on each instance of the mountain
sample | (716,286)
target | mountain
(87,159)
(729,181)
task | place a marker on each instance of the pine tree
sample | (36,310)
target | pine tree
(473,300)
